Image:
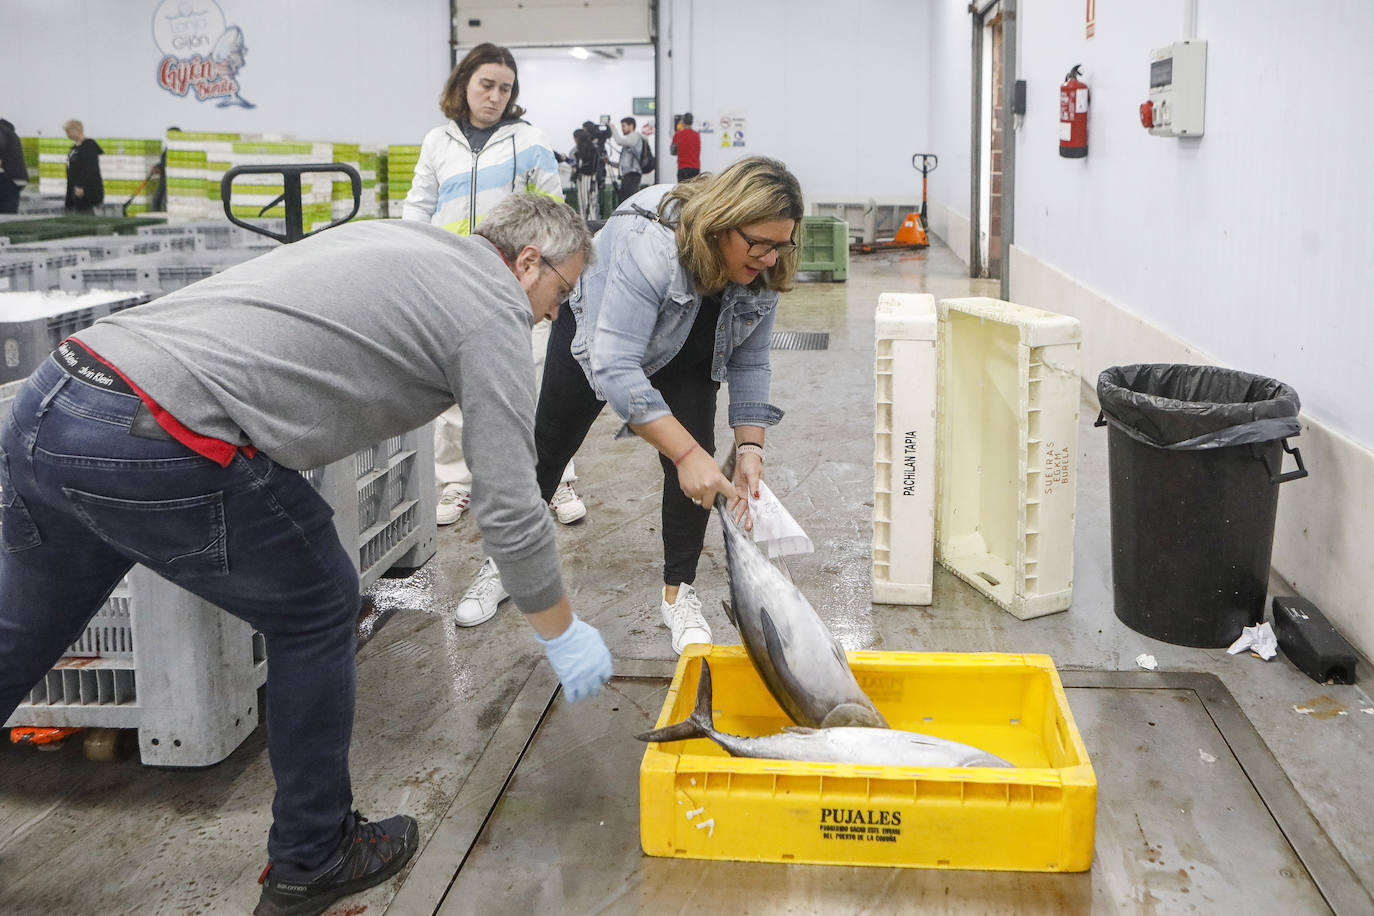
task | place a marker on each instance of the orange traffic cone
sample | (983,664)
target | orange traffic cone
(912,232)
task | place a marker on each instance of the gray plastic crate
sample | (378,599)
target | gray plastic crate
(101,247)
(35,271)
(183,672)
(22,272)
(217,234)
(383,500)
(32,324)
(157,273)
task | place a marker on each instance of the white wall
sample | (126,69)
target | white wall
(559,92)
(834,90)
(950,90)
(1248,247)
(316,69)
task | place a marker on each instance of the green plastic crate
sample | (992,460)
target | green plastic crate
(825,246)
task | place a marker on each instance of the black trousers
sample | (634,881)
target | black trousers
(9,196)
(684,174)
(629,185)
(567,408)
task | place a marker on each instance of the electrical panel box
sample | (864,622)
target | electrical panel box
(1178,90)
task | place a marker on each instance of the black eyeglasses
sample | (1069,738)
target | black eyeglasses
(759,248)
(567,287)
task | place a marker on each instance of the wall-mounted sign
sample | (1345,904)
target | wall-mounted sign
(643,106)
(201,54)
(731,130)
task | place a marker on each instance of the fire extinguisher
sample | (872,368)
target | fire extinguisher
(1073,115)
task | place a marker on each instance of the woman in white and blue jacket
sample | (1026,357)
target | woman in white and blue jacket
(680,297)
(484,151)
(481,155)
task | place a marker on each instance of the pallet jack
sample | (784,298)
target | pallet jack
(912,234)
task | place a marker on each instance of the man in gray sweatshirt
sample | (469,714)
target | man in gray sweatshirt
(171,435)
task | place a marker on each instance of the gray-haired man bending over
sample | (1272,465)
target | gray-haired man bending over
(171,435)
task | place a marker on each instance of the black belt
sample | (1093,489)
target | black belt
(77,362)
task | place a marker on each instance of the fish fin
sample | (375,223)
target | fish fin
(729,612)
(697,725)
(682,731)
(772,638)
(853,715)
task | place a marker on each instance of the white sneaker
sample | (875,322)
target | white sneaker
(684,618)
(567,506)
(482,598)
(453,502)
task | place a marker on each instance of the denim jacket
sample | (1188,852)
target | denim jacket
(636,304)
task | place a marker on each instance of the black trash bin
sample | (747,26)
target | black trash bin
(1194,456)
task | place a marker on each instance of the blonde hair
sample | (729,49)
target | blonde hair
(74,124)
(752,190)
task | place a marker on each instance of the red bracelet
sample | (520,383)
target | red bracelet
(684,455)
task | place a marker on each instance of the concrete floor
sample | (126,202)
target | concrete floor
(83,837)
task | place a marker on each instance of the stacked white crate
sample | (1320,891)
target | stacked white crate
(904,449)
(1007,451)
(254,192)
(124,167)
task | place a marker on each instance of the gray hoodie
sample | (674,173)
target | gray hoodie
(320,348)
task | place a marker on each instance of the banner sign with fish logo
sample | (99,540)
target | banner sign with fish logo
(201,54)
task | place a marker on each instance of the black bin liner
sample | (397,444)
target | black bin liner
(1194,456)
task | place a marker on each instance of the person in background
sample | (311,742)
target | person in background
(157,200)
(584,159)
(687,148)
(599,134)
(681,297)
(482,154)
(14,174)
(85,187)
(631,157)
(173,435)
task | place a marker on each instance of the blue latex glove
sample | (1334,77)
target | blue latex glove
(580,659)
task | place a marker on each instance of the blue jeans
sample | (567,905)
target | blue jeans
(84,498)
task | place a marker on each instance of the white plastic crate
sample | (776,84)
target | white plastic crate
(32,324)
(185,673)
(1007,451)
(904,448)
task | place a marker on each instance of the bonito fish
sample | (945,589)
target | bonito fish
(866,746)
(803,666)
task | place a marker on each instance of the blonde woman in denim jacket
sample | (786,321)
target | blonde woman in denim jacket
(680,297)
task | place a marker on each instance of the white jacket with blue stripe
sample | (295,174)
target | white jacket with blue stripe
(517,157)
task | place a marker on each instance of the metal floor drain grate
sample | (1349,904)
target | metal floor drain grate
(800,340)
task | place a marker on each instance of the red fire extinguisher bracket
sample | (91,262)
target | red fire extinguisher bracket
(1073,115)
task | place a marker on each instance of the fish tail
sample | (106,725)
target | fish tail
(699,724)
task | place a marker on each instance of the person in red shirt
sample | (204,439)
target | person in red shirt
(687,148)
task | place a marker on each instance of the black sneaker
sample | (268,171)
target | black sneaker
(368,854)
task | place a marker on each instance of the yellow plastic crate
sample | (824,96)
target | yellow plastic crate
(698,802)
